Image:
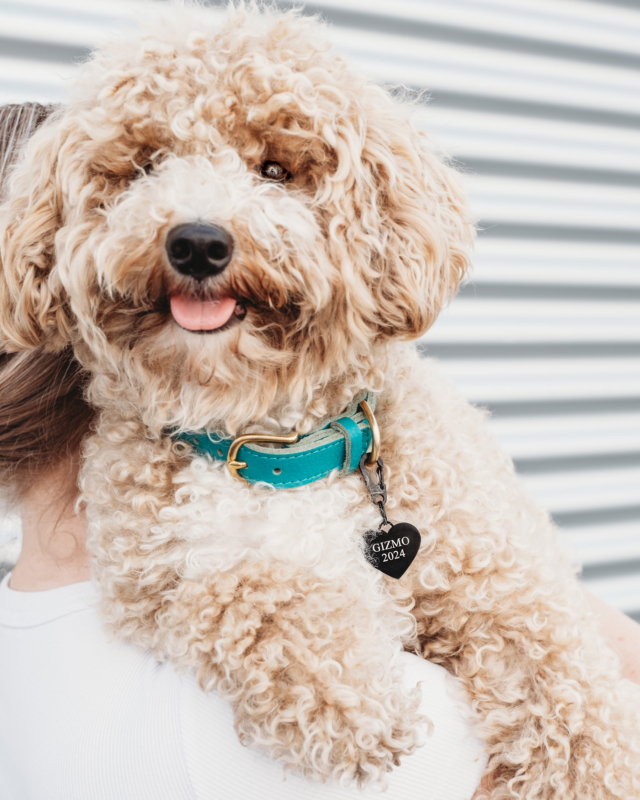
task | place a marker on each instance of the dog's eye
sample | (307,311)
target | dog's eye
(273,171)
(147,168)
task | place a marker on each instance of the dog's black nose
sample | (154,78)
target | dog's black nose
(199,250)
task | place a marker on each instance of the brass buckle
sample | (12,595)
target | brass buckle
(375,433)
(234,466)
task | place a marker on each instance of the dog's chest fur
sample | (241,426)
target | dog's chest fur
(223,522)
(219,523)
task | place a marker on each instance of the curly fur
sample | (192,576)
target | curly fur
(266,594)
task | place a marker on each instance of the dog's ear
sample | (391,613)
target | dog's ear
(427,234)
(31,309)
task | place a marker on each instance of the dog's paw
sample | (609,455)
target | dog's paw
(334,733)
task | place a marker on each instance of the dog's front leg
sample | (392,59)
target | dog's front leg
(299,659)
(305,662)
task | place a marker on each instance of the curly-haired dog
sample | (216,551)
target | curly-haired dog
(237,234)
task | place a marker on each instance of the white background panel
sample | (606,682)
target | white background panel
(596,544)
(581,490)
(542,142)
(554,202)
(581,264)
(524,379)
(516,320)
(568,435)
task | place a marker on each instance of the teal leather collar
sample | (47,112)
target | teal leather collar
(339,443)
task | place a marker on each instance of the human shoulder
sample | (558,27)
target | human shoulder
(84,715)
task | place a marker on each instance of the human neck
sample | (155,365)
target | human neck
(53,536)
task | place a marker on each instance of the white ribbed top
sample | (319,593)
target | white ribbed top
(87,717)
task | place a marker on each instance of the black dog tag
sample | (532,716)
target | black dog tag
(393,551)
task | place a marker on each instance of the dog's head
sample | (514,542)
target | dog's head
(228,224)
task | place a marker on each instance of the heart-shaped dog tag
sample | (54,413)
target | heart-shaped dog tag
(393,551)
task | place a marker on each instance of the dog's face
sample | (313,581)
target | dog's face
(226,224)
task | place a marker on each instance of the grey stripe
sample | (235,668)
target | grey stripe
(572,233)
(553,172)
(634,4)
(616,569)
(469,350)
(548,291)
(599,516)
(535,408)
(540,466)
(33,50)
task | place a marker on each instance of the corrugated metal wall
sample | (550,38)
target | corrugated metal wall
(539,101)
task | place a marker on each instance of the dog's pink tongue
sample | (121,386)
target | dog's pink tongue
(201,315)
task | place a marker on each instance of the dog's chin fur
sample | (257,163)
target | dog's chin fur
(267,594)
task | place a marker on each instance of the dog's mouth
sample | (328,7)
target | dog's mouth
(205,314)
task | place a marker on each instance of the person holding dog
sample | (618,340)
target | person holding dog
(226,240)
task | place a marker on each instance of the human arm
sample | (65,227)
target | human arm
(622,635)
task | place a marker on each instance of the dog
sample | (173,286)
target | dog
(240,236)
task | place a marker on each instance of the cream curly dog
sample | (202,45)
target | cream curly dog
(237,234)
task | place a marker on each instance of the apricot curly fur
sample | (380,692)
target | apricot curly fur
(266,594)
